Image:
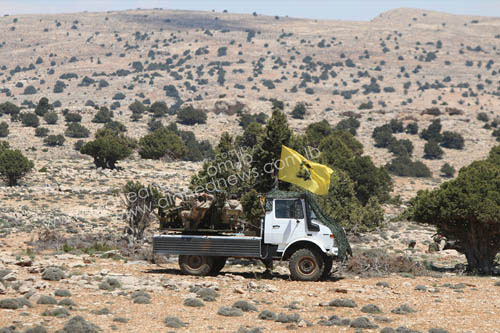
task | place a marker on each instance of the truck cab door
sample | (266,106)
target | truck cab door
(283,221)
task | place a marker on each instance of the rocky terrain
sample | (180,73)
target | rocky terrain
(61,248)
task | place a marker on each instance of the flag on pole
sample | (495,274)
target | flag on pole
(296,169)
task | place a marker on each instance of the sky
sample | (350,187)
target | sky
(317,9)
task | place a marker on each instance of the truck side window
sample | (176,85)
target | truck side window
(284,209)
(288,209)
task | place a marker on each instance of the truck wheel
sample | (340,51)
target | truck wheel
(306,265)
(219,263)
(328,267)
(196,265)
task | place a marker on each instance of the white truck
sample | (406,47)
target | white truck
(291,230)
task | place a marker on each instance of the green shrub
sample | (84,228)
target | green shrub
(299,111)
(396,126)
(162,143)
(403,166)
(447,170)
(115,126)
(76,130)
(432,151)
(350,124)
(43,107)
(191,116)
(483,116)
(158,109)
(54,140)
(13,165)
(29,90)
(72,117)
(401,147)
(4,129)
(452,140)
(10,109)
(41,132)
(433,132)
(107,149)
(119,96)
(412,128)
(51,118)
(78,145)
(383,136)
(30,119)
(103,116)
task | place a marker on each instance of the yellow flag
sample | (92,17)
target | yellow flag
(296,169)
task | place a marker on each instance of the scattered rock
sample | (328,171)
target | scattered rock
(193,302)
(421,287)
(142,300)
(243,329)
(497,284)
(78,324)
(363,322)
(457,286)
(101,312)
(36,329)
(207,294)
(267,315)
(437,330)
(140,293)
(381,319)
(382,284)
(44,299)
(388,330)
(174,322)
(343,302)
(110,284)
(371,308)
(53,274)
(62,293)
(245,306)
(403,309)
(403,329)
(230,312)
(10,303)
(120,320)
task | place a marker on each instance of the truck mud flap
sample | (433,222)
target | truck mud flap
(207,245)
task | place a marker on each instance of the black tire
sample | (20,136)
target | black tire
(219,263)
(306,265)
(328,267)
(196,265)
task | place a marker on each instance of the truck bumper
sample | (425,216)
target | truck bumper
(333,252)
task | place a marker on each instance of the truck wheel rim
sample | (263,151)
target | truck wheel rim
(307,265)
(195,262)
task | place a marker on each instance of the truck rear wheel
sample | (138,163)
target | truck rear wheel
(196,265)
(219,263)
(306,265)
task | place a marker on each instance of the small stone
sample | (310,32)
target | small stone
(421,287)
(230,312)
(193,302)
(381,319)
(382,284)
(497,284)
(59,313)
(243,329)
(10,303)
(288,318)
(101,312)
(437,330)
(388,330)
(67,302)
(142,300)
(120,320)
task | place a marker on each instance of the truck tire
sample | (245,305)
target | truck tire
(219,263)
(328,267)
(306,265)
(196,265)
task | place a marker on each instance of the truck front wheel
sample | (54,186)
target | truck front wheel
(219,263)
(306,265)
(196,265)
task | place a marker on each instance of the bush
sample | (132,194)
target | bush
(433,132)
(13,165)
(191,116)
(103,116)
(115,126)
(30,119)
(119,96)
(59,87)
(4,129)
(159,109)
(483,116)
(412,128)
(162,142)
(447,170)
(403,166)
(383,136)
(54,140)
(433,151)
(41,132)
(396,126)
(51,118)
(76,130)
(401,147)
(466,209)
(29,90)
(43,107)
(107,149)
(452,140)
(78,145)
(350,124)
(377,262)
(10,109)
(72,117)
(299,111)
